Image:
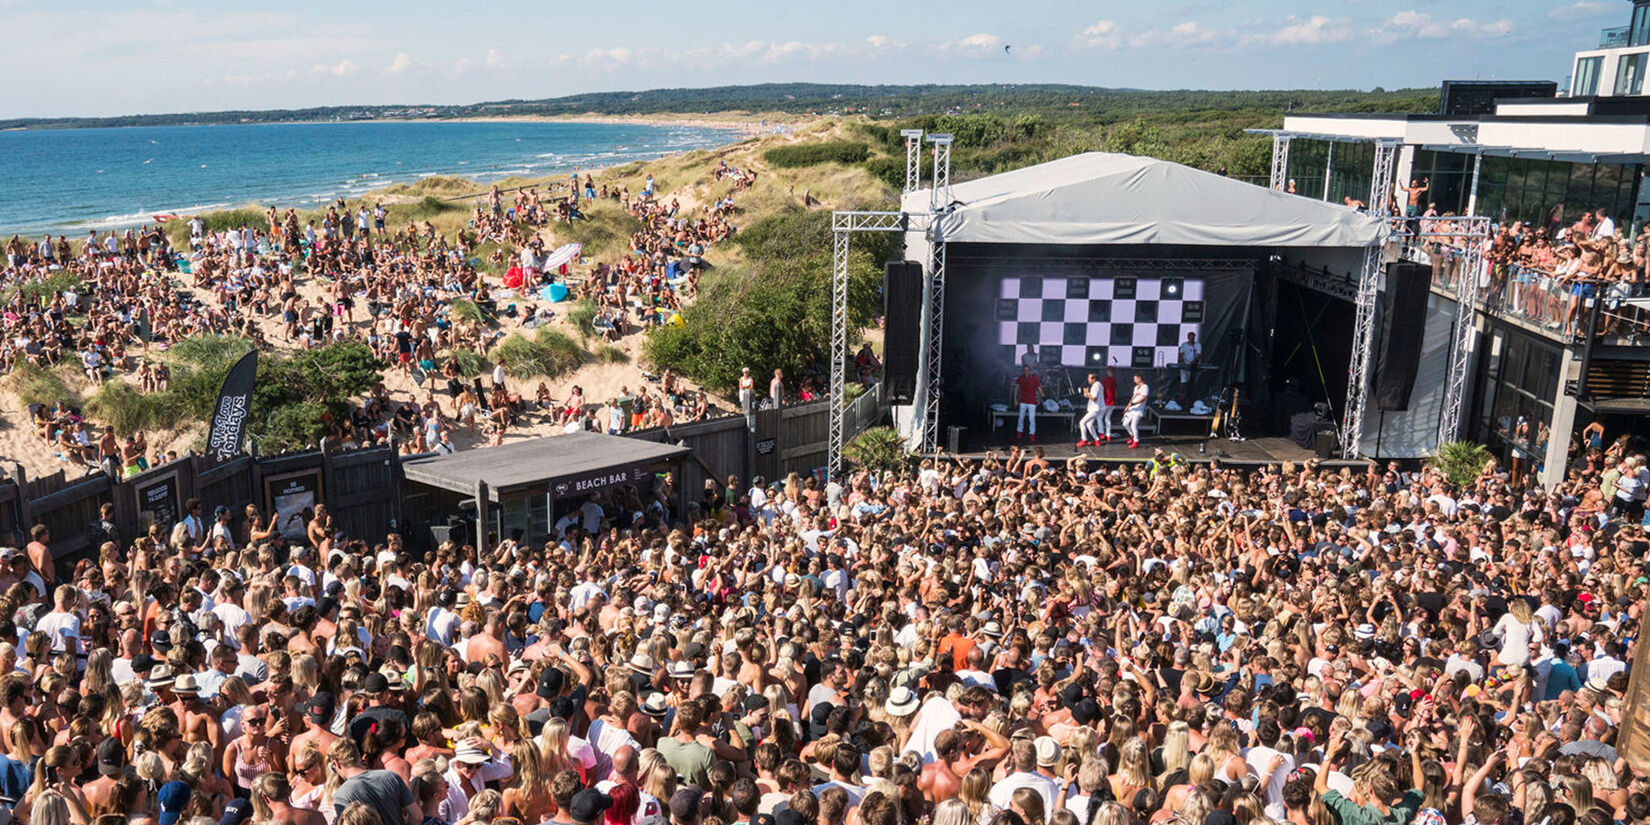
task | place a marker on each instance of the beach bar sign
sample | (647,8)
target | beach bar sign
(591,482)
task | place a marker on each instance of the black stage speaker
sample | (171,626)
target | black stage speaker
(1323,445)
(1404,323)
(902,329)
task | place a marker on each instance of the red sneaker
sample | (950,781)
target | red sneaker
(1034,438)
(1133,444)
(1018,435)
(1106,438)
(1082,444)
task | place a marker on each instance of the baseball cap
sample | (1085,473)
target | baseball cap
(174,797)
(111,757)
(236,812)
(588,805)
(320,707)
(684,804)
(375,683)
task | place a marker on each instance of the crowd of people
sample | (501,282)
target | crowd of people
(115,303)
(1548,272)
(1003,641)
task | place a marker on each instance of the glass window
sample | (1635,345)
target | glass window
(1630,71)
(1640,35)
(1585,83)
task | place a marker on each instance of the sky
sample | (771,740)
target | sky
(69,58)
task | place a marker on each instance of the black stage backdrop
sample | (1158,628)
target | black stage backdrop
(1088,308)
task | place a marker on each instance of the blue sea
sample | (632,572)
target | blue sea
(71,180)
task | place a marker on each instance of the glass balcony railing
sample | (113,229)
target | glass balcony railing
(1614,37)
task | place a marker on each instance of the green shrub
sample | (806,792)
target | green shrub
(813,154)
(467,310)
(1460,461)
(550,353)
(878,448)
(38,385)
(41,289)
(471,363)
(772,311)
(610,354)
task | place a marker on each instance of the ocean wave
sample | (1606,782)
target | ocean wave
(146,216)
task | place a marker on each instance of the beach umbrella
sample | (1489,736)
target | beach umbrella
(564,254)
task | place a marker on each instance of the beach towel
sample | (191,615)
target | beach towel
(554,293)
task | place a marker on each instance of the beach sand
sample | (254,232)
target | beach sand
(601,381)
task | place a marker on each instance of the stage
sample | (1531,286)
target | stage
(1059,445)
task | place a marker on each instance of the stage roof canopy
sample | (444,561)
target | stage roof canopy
(581,461)
(1111,199)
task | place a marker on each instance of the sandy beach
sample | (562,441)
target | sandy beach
(601,381)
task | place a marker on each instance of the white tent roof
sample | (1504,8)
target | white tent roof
(1102,198)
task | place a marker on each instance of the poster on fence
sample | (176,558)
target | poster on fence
(157,502)
(292,498)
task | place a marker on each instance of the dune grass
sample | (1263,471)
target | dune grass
(39,385)
(609,354)
(580,315)
(550,354)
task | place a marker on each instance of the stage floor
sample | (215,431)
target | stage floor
(1058,445)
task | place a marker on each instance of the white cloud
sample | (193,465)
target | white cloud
(974,45)
(1186,33)
(1417,24)
(1581,8)
(494,59)
(1313,30)
(1102,35)
(880,42)
(343,68)
(400,64)
(610,58)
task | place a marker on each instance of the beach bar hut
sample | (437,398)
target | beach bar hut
(527,485)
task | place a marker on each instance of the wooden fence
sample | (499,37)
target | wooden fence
(364,490)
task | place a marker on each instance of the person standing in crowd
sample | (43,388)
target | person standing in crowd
(1088,429)
(1028,390)
(1136,409)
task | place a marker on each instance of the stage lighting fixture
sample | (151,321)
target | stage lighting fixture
(1172,287)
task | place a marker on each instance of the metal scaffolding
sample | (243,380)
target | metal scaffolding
(913,161)
(939,204)
(1470,236)
(1380,178)
(843,225)
(1363,338)
(1280,161)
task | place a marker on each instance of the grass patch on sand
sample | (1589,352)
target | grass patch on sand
(443,186)
(610,354)
(471,363)
(38,385)
(580,315)
(122,407)
(550,353)
(41,289)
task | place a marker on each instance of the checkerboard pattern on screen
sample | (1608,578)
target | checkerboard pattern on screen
(1130,322)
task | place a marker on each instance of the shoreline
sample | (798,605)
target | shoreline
(738,126)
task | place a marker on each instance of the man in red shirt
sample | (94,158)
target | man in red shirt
(1027,388)
(1108,399)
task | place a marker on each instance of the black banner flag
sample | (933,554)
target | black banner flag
(234,403)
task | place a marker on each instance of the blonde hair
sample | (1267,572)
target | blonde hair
(1134,764)
(1176,747)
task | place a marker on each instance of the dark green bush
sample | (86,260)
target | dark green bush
(813,154)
